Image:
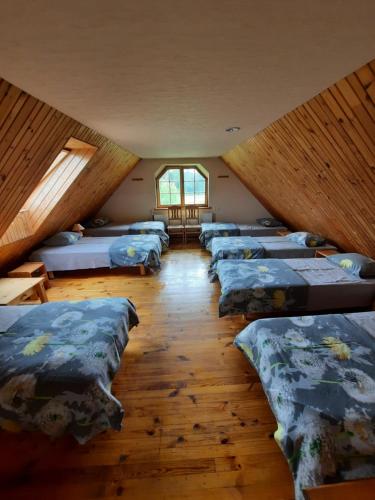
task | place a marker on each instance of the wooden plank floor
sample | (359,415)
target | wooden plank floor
(197,423)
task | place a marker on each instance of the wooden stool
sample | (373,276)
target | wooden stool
(31,270)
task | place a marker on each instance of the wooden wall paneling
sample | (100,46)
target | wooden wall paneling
(315,166)
(30,161)
(19,229)
(42,151)
(9,96)
(32,134)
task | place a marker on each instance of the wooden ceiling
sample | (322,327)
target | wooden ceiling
(315,167)
(32,134)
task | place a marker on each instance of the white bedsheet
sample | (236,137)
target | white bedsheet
(10,314)
(365,320)
(111,229)
(87,253)
(256,229)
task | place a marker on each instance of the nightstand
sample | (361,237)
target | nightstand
(325,253)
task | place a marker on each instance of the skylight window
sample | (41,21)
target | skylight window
(55,183)
(61,174)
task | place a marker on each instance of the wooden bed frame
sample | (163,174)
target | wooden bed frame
(364,489)
(141,267)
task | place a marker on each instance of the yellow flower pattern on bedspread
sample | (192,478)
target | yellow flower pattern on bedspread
(346,263)
(341,350)
(36,345)
(131,251)
(321,389)
(250,286)
(57,363)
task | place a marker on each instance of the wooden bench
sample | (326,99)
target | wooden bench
(12,290)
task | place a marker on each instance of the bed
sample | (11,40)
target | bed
(259,230)
(57,363)
(268,247)
(91,253)
(110,229)
(211,230)
(279,285)
(318,374)
(115,229)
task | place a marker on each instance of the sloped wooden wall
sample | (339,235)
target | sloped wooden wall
(315,167)
(32,133)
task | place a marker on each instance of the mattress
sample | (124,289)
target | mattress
(95,252)
(111,229)
(330,287)
(10,314)
(252,286)
(259,230)
(87,253)
(274,247)
(279,247)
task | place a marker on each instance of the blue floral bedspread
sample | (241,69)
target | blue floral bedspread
(318,373)
(211,229)
(56,367)
(151,227)
(234,247)
(249,286)
(133,250)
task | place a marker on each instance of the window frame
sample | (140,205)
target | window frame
(56,162)
(181,168)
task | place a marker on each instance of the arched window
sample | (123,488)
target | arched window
(177,185)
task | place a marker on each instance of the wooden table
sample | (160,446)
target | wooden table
(325,253)
(31,270)
(13,289)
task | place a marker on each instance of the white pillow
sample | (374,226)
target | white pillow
(205,217)
(161,218)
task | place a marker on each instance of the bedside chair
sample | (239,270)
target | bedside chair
(176,225)
(192,225)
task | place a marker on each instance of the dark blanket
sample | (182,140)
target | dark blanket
(210,230)
(151,227)
(56,367)
(318,373)
(249,286)
(234,247)
(127,251)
